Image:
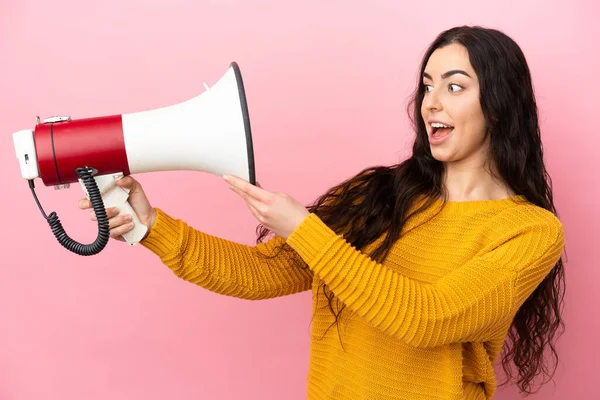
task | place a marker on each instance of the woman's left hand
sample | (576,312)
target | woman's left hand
(278,212)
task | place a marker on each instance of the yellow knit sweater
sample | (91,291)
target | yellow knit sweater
(428,323)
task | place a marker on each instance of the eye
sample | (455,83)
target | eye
(427,88)
(453,86)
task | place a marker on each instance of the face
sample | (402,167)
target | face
(452,98)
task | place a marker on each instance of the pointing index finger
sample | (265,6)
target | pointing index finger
(246,187)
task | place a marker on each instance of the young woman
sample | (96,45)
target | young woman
(427,269)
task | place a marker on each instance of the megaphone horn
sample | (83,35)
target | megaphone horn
(209,133)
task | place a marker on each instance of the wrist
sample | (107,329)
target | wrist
(151,221)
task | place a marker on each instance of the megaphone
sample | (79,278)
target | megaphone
(208,133)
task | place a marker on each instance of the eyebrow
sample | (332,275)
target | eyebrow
(448,74)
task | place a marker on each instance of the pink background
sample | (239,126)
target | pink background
(327,83)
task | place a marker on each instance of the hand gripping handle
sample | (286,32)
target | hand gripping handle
(117,197)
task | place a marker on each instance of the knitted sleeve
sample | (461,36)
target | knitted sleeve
(467,304)
(225,267)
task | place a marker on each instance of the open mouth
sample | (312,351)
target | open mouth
(439,130)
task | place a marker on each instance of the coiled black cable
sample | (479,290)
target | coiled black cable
(95,197)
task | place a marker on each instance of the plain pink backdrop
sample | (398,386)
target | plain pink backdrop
(327,84)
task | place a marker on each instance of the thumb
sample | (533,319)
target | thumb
(126,182)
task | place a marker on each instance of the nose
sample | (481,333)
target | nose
(431,101)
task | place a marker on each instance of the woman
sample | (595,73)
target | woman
(424,267)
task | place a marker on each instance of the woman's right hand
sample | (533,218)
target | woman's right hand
(118,223)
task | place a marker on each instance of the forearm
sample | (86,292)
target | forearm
(226,267)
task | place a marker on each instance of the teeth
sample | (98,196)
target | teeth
(439,125)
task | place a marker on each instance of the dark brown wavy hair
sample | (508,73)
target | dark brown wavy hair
(374,202)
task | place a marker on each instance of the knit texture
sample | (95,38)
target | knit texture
(427,323)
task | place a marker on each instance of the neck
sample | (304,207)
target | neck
(473,180)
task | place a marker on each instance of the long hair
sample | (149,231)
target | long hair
(376,200)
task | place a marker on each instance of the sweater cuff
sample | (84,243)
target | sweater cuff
(163,236)
(312,238)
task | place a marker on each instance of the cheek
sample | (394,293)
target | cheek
(478,120)
(471,118)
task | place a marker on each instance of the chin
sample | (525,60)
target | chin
(443,156)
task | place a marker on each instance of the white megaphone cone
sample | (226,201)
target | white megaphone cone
(209,133)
